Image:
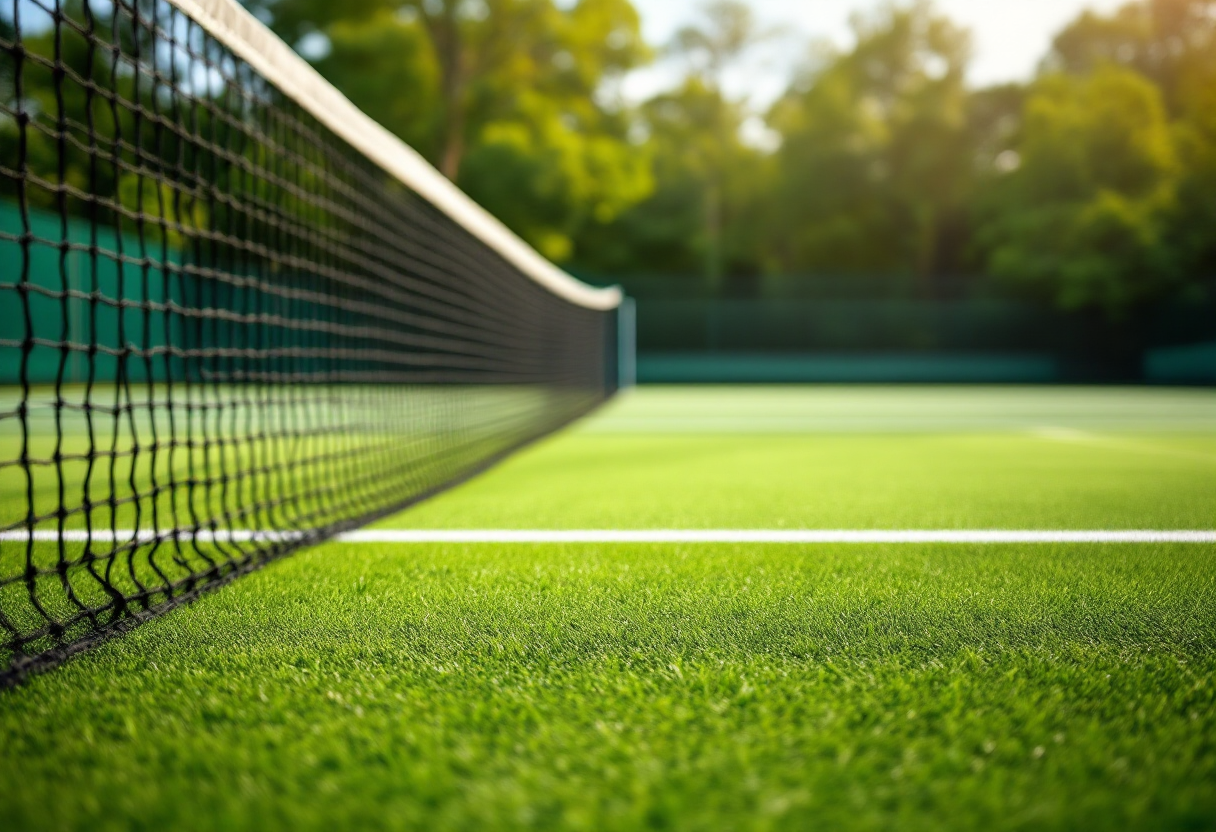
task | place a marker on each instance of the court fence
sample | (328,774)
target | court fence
(876,331)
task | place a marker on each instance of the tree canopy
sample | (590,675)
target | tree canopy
(1091,185)
(505,97)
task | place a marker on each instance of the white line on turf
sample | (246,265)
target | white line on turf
(657,536)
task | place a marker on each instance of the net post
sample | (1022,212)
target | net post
(627,343)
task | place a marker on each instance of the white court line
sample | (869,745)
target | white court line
(663,536)
(774,536)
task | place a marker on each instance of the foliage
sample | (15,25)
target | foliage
(875,148)
(701,219)
(1170,42)
(551,180)
(1084,217)
(1134,243)
(374,60)
(697,221)
(1091,186)
(67,113)
(502,95)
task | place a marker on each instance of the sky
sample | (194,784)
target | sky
(1010,36)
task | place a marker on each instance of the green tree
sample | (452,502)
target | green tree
(696,223)
(1170,42)
(875,158)
(483,53)
(8,125)
(726,34)
(1083,219)
(8,34)
(504,96)
(549,180)
(692,144)
(1115,199)
(67,116)
(385,64)
(552,159)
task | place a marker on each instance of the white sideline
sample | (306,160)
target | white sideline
(659,536)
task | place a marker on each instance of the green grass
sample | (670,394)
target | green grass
(862,458)
(157,463)
(892,482)
(695,686)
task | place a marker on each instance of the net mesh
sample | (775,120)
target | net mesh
(224,332)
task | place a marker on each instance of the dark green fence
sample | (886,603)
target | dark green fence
(88,296)
(79,304)
(901,339)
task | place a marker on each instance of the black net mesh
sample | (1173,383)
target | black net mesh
(224,333)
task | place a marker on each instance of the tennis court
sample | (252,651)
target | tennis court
(696,685)
(326,503)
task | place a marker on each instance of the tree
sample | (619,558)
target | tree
(1083,219)
(56,110)
(691,144)
(8,125)
(503,96)
(1171,44)
(875,157)
(550,157)
(385,64)
(550,181)
(726,34)
(483,53)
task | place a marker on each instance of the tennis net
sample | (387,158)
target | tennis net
(236,317)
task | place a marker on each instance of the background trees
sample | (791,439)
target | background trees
(700,220)
(874,147)
(1090,186)
(505,97)
(1112,202)
(1082,219)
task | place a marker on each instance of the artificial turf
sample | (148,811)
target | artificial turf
(691,686)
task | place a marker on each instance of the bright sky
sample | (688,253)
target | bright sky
(1009,36)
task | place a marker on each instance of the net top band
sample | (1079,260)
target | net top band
(228,22)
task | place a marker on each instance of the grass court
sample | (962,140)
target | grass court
(695,686)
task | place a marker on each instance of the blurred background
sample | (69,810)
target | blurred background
(829,190)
